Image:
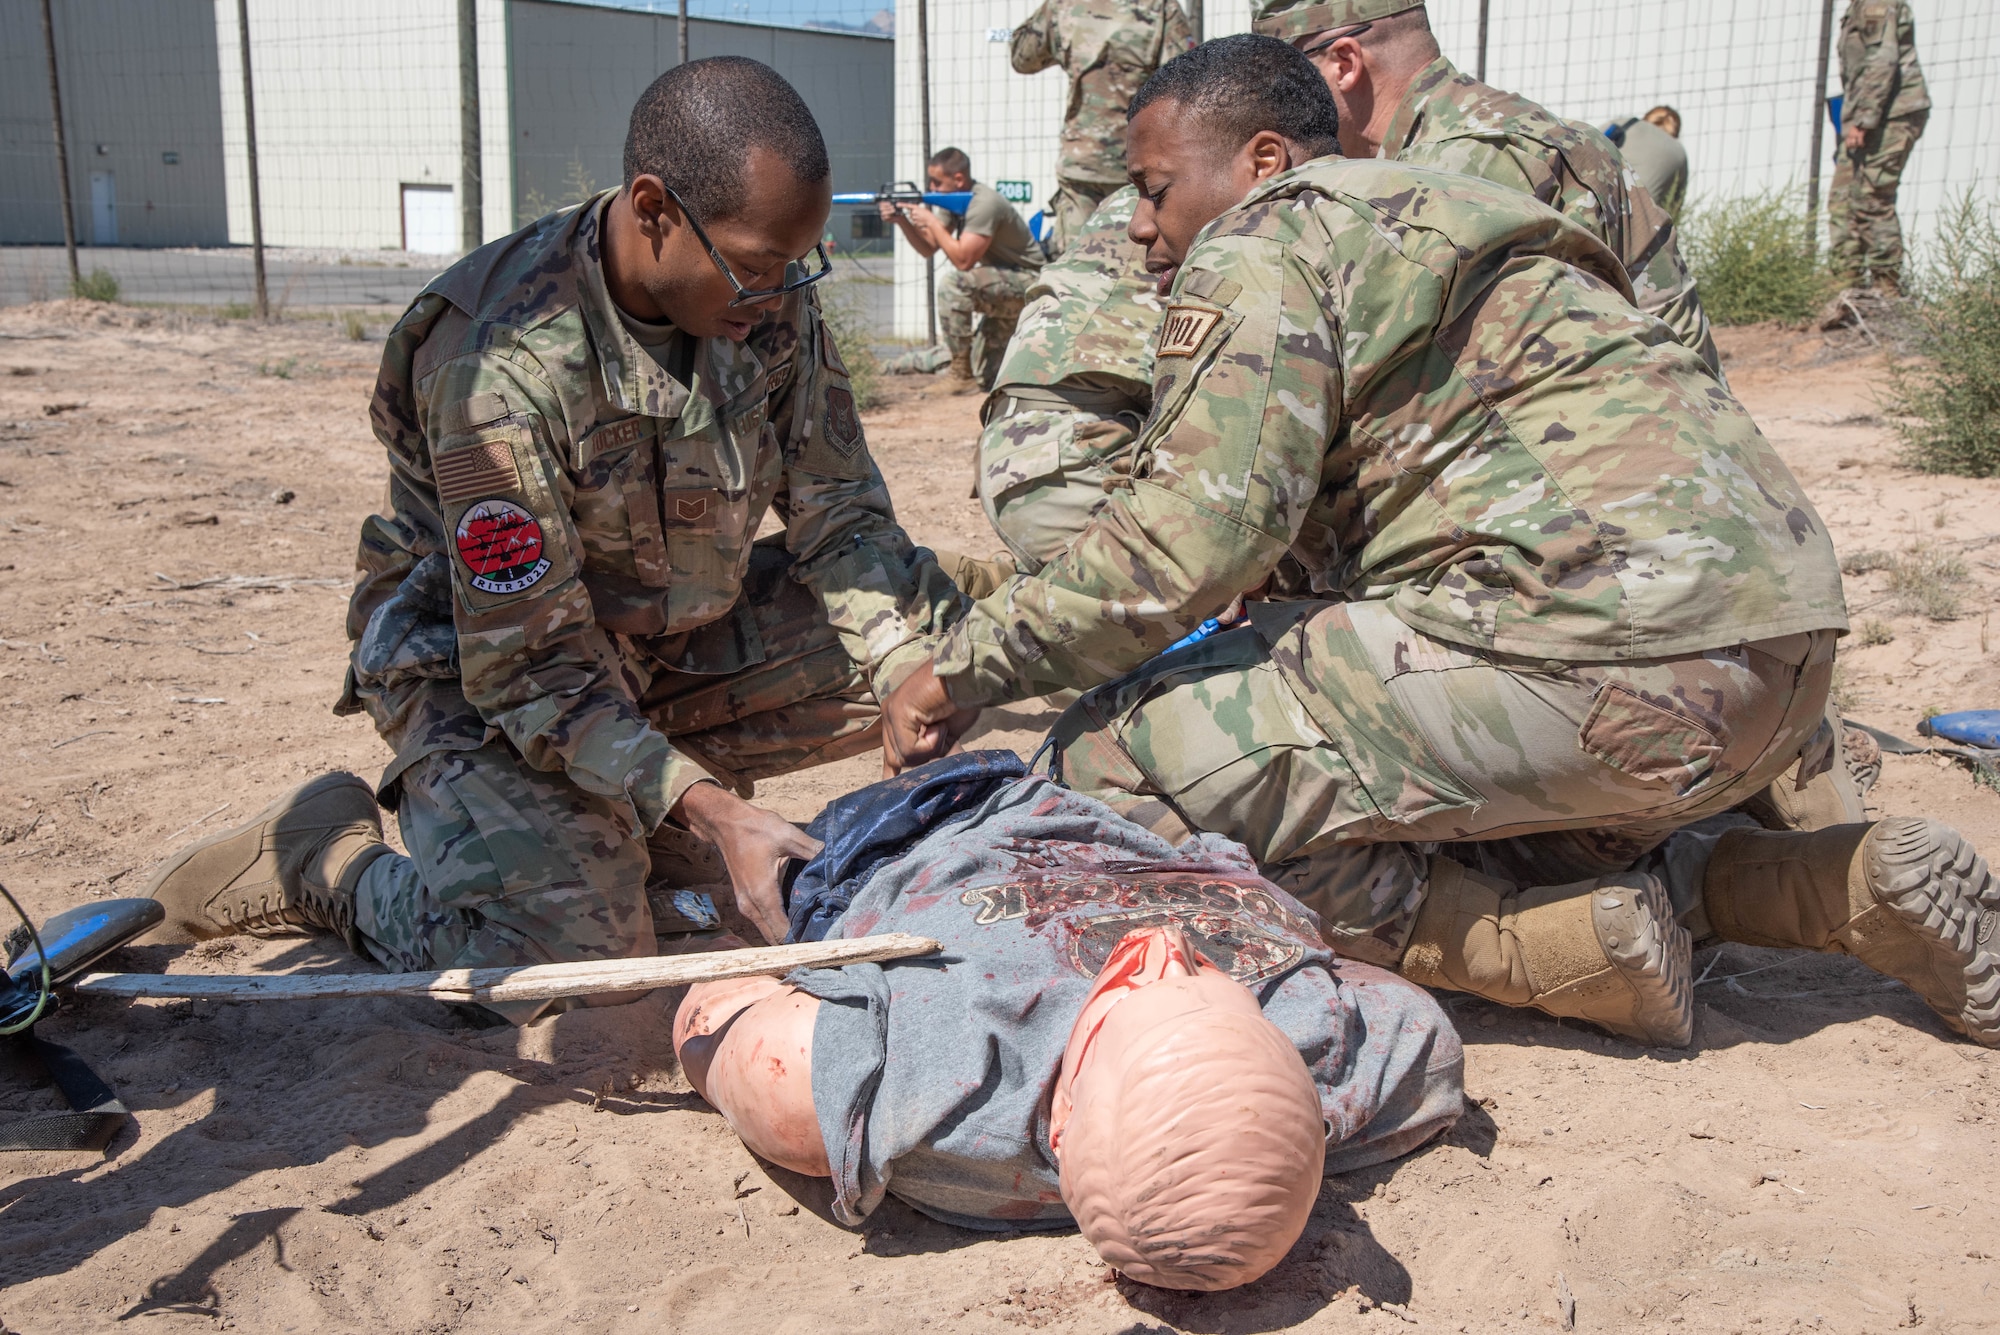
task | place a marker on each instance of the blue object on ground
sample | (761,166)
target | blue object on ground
(866,828)
(1972,727)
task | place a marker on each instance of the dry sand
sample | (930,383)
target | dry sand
(172,641)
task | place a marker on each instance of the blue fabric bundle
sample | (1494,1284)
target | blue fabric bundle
(868,827)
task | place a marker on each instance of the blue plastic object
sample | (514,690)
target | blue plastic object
(1833,105)
(951,201)
(1038,224)
(1195,636)
(1971,727)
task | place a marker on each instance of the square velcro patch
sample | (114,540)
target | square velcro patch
(1182,332)
(483,469)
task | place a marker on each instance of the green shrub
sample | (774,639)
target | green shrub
(1946,403)
(353,326)
(1754,258)
(851,335)
(99,286)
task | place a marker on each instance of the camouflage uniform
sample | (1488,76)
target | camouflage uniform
(1557,585)
(1108,48)
(1452,121)
(1073,390)
(1883,92)
(561,622)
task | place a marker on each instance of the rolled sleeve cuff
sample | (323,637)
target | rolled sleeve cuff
(659,779)
(974,666)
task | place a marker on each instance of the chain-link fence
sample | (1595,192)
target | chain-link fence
(386,135)
(1744,75)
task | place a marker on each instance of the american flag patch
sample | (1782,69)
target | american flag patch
(484,469)
(1182,332)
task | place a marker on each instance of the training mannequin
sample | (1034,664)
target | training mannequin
(1149,1042)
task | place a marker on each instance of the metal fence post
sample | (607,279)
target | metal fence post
(62,146)
(250,142)
(684,31)
(924,100)
(1485,13)
(471,186)
(1818,123)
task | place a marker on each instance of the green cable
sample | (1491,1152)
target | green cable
(41,1002)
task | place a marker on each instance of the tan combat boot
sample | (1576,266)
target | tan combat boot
(975,578)
(293,867)
(960,375)
(1906,896)
(1607,951)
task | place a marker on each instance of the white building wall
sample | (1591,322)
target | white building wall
(1741,72)
(355,100)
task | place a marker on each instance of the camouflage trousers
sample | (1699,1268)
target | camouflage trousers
(1043,467)
(1867,237)
(509,864)
(992,297)
(1069,208)
(1345,749)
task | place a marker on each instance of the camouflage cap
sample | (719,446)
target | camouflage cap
(1289,20)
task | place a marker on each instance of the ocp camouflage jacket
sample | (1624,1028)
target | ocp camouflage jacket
(563,514)
(1432,391)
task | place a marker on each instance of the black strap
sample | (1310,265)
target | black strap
(97,1114)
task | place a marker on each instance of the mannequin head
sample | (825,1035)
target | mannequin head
(1188,1131)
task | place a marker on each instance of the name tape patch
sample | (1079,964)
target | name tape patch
(1184,329)
(501,545)
(486,467)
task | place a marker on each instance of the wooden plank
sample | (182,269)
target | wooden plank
(535,982)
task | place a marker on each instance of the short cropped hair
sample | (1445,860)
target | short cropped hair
(952,161)
(1662,114)
(695,125)
(1238,86)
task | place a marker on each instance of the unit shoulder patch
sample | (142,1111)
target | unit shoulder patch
(1185,329)
(843,423)
(501,547)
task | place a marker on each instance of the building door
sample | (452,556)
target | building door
(103,209)
(430,223)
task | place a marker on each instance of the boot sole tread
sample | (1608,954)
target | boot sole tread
(1938,885)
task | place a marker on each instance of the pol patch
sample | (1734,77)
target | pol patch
(501,545)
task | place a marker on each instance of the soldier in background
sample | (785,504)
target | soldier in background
(1651,145)
(993,255)
(1401,99)
(1884,105)
(561,623)
(1107,48)
(1076,384)
(1567,601)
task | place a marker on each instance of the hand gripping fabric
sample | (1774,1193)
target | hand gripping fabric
(867,827)
(1189,1133)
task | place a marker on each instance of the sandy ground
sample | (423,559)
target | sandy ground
(172,642)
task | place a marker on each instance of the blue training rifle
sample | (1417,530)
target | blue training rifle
(906,192)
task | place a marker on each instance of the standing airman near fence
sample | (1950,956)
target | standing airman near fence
(561,622)
(1884,105)
(1107,48)
(1566,598)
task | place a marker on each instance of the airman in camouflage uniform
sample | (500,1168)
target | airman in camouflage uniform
(1076,383)
(1452,121)
(563,622)
(1561,599)
(1107,48)
(1884,104)
(551,696)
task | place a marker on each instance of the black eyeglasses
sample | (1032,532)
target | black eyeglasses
(1355,31)
(796,274)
